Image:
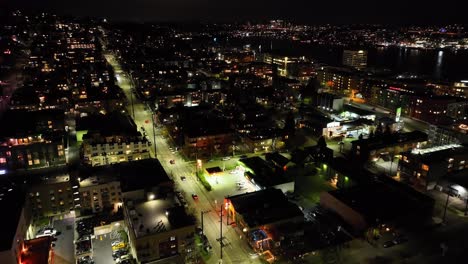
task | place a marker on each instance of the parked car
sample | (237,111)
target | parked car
(183,178)
(227,158)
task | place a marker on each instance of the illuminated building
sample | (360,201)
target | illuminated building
(266,218)
(283,62)
(368,149)
(158,229)
(109,139)
(34,144)
(50,196)
(355,58)
(423,168)
(98,194)
(339,80)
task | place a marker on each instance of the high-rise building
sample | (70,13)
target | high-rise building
(355,58)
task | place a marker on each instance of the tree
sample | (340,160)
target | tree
(290,124)
(378,130)
(388,130)
(321,143)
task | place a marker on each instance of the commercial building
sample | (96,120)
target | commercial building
(328,102)
(266,218)
(266,174)
(355,58)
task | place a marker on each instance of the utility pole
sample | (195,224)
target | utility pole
(221,232)
(154,135)
(131,94)
(446,205)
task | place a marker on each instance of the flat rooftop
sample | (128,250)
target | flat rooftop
(37,251)
(96,180)
(265,206)
(157,216)
(384,199)
(264,173)
(390,140)
(134,175)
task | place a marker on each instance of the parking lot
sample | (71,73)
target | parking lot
(103,250)
(64,245)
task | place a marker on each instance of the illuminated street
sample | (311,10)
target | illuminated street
(236,249)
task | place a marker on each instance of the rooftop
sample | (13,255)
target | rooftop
(435,149)
(110,124)
(134,175)
(36,251)
(157,216)
(383,199)
(37,121)
(264,207)
(97,180)
(263,172)
(393,139)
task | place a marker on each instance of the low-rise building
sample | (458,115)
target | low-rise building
(423,168)
(373,148)
(266,216)
(266,174)
(367,207)
(159,230)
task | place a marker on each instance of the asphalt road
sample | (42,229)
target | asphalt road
(236,249)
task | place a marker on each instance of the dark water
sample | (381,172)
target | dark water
(435,64)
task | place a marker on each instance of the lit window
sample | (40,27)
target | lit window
(172,238)
(2,160)
(425,167)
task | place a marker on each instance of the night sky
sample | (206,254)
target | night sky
(307,11)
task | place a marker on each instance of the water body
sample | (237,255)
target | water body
(435,64)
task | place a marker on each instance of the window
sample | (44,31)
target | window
(2,160)
(425,167)
(172,238)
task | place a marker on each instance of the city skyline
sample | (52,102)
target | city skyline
(394,12)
